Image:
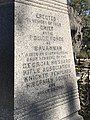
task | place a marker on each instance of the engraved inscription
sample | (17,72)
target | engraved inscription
(47,66)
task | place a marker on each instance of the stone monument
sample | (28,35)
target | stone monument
(44,81)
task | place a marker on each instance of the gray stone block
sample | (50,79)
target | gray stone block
(45,79)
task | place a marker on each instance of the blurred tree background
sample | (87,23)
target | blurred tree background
(79,13)
(83,9)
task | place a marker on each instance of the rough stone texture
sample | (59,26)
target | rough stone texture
(45,80)
(74,116)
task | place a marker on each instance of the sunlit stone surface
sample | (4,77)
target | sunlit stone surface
(45,80)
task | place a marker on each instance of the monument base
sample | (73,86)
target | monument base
(74,116)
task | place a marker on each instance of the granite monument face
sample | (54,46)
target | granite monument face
(45,79)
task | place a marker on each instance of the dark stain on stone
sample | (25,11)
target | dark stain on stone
(20,14)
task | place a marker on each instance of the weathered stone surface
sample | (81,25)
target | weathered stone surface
(45,80)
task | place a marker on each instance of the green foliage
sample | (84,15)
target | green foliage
(80,6)
(86,34)
(87,19)
(83,54)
